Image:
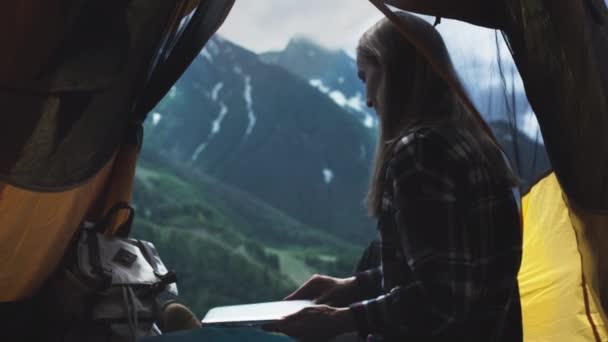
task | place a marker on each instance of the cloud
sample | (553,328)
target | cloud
(263,25)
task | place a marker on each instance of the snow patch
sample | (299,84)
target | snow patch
(338,98)
(317,83)
(341,80)
(207,55)
(354,102)
(328,175)
(249,101)
(156,118)
(213,48)
(362,152)
(199,150)
(216,126)
(216,90)
(368,121)
(173,92)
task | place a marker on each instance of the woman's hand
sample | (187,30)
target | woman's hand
(332,291)
(316,323)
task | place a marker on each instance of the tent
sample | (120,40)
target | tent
(74,100)
(74,109)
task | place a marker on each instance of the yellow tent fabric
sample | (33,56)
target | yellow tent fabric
(36,228)
(592,237)
(556,304)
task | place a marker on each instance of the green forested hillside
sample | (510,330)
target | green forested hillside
(226,246)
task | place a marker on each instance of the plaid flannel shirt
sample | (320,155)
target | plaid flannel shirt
(451,244)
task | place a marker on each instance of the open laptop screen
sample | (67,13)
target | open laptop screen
(253,314)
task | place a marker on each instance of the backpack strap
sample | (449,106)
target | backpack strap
(95,259)
(167,278)
(119,188)
(124,229)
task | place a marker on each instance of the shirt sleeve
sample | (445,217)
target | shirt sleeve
(369,283)
(444,258)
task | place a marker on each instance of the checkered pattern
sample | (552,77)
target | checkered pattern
(451,246)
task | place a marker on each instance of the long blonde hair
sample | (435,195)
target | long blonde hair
(412,94)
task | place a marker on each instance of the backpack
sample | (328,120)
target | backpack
(110,287)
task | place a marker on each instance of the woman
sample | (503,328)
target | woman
(448,221)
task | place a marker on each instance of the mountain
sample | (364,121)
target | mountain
(290,129)
(262,129)
(333,72)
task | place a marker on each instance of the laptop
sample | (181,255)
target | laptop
(253,314)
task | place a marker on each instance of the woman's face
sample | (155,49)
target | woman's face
(371,74)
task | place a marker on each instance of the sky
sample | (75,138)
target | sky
(263,25)
(266,25)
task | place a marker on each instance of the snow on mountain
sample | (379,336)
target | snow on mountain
(156,117)
(250,113)
(205,53)
(332,72)
(216,90)
(216,126)
(270,133)
(328,175)
(354,103)
(317,83)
